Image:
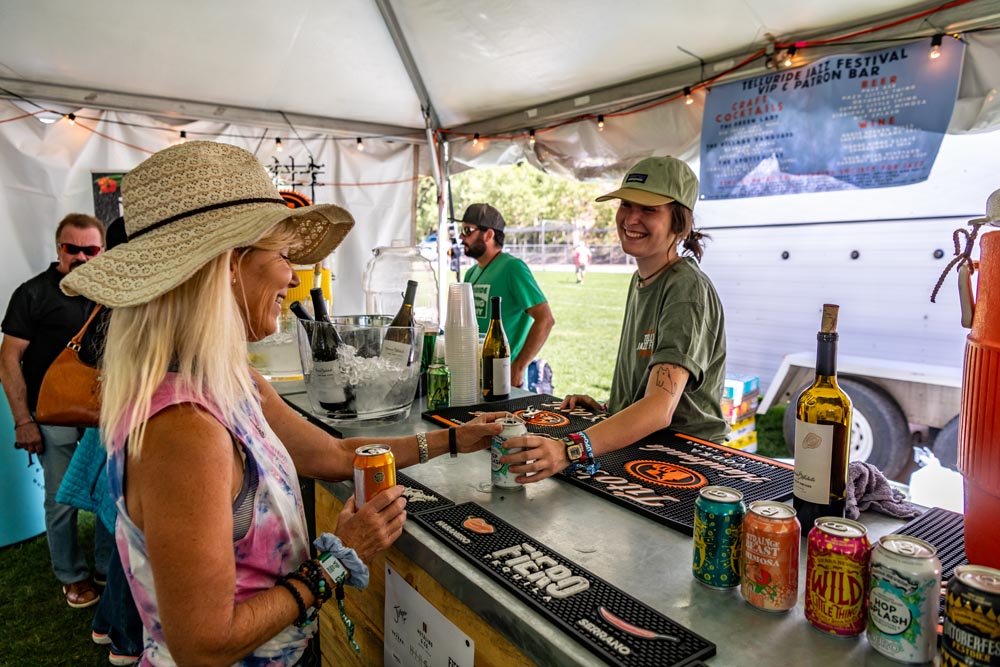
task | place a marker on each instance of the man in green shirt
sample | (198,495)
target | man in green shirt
(672,352)
(527,318)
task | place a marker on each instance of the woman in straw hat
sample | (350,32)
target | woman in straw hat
(203,452)
(672,354)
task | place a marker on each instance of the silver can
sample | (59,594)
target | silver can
(500,473)
(903,603)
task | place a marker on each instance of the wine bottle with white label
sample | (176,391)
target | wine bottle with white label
(333,392)
(822,433)
(397,346)
(496,357)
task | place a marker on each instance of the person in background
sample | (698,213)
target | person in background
(581,260)
(203,453)
(527,317)
(39,321)
(672,352)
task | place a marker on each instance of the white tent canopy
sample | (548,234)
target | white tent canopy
(384,70)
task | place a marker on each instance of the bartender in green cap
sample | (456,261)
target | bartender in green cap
(672,352)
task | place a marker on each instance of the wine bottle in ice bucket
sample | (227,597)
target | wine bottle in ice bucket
(397,347)
(333,391)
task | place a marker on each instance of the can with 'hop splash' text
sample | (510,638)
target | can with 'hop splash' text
(374,472)
(500,473)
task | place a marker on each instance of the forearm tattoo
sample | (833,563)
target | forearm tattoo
(665,379)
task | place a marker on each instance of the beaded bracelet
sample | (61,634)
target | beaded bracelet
(303,618)
(311,574)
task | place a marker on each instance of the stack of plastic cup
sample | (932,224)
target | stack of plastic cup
(461,341)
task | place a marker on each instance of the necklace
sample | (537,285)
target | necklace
(657,272)
(479,276)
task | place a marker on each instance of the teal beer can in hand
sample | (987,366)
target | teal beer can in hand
(718,528)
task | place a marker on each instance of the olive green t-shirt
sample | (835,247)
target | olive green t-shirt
(677,319)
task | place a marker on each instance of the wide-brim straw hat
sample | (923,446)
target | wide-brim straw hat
(185,206)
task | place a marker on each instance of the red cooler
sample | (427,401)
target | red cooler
(979,424)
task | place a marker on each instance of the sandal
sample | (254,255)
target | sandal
(81,594)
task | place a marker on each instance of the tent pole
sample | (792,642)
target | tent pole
(439,166)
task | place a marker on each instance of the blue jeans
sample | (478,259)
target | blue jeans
(116,613)
(68,562)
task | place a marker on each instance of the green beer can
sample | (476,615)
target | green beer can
(438,387)
(718,529)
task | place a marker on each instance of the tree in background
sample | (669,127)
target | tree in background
(524,195)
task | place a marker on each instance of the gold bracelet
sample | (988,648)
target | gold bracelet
(422,447)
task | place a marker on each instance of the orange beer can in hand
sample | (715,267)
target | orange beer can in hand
(770,558)
(374,471)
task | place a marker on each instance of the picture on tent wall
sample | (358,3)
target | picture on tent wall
(107,187)
(869,120)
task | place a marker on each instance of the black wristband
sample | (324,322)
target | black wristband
(453,442)
(303,618)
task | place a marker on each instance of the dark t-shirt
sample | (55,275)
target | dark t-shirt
(41,314)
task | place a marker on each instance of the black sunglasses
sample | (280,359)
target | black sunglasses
(469,231)
(73,249)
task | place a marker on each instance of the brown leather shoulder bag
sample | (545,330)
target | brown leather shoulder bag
(71,390)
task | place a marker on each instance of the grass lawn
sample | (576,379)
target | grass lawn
(38,627)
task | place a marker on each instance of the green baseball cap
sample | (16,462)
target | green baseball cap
(658,180)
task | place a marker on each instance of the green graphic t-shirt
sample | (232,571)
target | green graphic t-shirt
(509,278)
(678,319)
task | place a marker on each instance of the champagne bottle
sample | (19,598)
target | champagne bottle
(300,312)
(822,433)
(397,347)
(332,390)
(496,357)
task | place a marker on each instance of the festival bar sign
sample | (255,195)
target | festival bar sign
(870,120)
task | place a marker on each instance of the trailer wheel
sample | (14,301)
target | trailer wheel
(879,432)
(946,444)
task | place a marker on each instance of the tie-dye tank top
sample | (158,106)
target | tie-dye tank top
(276,543)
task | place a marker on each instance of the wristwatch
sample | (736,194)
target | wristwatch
(333,567)
(574,448)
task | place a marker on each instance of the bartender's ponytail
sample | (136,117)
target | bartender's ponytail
(682,224)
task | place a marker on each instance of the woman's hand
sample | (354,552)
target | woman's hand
(476,434)
(582,401)
(374,527)
(547,456)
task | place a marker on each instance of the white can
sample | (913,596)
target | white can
(903,599)
(500,473)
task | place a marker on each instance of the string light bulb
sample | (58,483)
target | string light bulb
(360,145)
(531,138)
(71,117)
(184,136)
(789,55)
(475,139)
(600,122)
(935,52)
(277,145)
(687,95)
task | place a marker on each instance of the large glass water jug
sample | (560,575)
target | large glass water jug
(385,281)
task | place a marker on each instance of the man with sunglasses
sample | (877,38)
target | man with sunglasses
(527,318)
(40,320)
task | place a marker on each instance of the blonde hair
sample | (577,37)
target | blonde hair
(199,327)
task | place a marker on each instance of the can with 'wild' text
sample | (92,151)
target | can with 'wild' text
(837,576)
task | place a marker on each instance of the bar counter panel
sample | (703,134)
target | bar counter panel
(646,560)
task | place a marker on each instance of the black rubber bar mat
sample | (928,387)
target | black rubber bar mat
(314,420)
(661,475)
(420,498)
(605,619)
(946,531)
(540,412)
